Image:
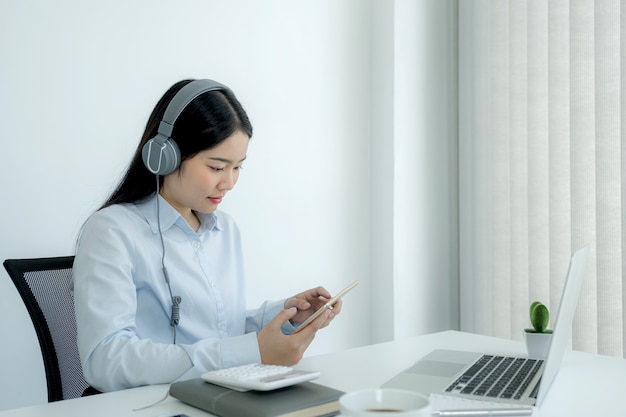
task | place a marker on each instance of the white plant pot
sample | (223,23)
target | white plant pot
(537,344)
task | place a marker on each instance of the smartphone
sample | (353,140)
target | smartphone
(326,306)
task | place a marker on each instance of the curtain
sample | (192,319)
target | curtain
(542,148)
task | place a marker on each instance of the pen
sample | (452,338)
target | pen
(499,412)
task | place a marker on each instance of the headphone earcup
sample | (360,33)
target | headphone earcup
(161,157)
(161,154)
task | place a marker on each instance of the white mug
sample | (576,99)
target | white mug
(384,402)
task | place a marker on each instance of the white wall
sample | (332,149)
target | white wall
(316,202)
(414,175)
(425,166)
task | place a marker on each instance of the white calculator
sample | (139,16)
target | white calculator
(258,377)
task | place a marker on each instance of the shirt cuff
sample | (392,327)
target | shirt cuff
(272,308)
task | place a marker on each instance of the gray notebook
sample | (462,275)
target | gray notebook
(307,399)
(470,374)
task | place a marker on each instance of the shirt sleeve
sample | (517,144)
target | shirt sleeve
(114,353)
(258,318)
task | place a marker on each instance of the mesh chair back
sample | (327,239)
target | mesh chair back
(45,287)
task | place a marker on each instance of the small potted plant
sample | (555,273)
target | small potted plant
(538,337)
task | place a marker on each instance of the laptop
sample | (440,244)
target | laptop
(459,374)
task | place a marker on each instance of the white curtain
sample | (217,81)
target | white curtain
(542,158)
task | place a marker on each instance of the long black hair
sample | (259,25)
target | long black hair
(206,122)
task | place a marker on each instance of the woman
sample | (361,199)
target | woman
(158,273)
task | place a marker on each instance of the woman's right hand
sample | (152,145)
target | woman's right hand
(277,348)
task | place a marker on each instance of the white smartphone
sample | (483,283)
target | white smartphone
(326,306)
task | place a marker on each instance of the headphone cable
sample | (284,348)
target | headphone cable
(175,318)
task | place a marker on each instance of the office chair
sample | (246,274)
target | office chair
(45,287)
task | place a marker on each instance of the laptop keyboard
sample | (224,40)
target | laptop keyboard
(497,377)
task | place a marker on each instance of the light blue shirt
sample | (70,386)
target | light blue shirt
(123,304)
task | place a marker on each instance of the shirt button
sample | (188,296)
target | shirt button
(221,326)
(196,244)
(212,283)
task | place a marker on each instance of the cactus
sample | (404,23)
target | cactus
(539,318)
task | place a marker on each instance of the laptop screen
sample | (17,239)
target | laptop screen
(564,319)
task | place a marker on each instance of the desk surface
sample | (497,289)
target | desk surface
(587,384)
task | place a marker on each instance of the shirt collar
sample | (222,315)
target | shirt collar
(169,216)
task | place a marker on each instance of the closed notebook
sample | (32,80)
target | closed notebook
(307,399)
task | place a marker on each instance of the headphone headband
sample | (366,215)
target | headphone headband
(161,154)
(182,99)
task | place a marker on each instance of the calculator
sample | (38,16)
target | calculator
(258,377)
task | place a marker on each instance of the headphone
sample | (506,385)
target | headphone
(161,154)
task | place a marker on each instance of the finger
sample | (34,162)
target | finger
(299,303)
(337,307)
(322,292)
(319,322)
(282,317)
(323,320)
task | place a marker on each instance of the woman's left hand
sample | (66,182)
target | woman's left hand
(308,302)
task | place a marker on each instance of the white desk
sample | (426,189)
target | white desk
(587,385)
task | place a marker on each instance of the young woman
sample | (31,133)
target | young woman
(158,273)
